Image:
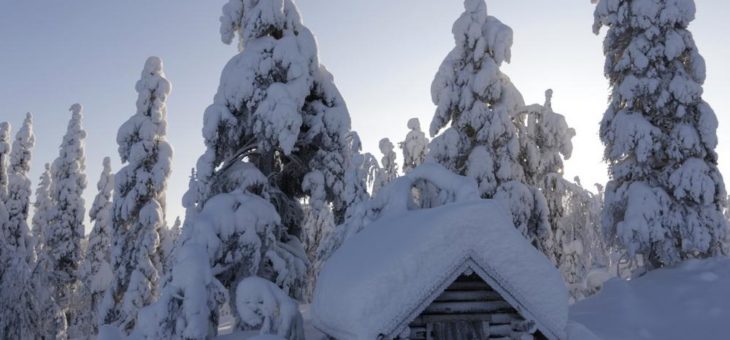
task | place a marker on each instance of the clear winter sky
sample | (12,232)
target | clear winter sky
(383,54)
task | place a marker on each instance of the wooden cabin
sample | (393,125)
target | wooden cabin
(470,309)
(457,271)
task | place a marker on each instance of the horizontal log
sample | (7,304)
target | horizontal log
(500,330)
(495,319)
(467,307)
(469,285)
(466,295)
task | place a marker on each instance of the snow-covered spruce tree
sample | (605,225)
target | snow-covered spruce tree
(4,159)
(65,229)
(389,166)
(277,116)
(19,309)
(478,102)
(96,272)
(43,210)
(362,178)
(545,140)
(415,146)
(168,242)
(4,215)
(665,195)
(138,210)
(318,226)
(51,318)
(18,199)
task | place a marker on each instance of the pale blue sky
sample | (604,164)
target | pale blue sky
(383,54)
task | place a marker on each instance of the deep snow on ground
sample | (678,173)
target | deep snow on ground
(689,301)
(226,328)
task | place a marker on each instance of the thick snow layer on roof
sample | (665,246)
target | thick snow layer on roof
(380,276)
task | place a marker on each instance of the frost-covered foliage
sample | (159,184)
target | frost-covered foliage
(276,107)
(579,246)
(65,229)
(263,305)
(168,242)
(4,159)
(51,318)
(479,105)
(17,234)
(363,177)
(20,312)
(665,195)
(4,215)
(138,210)
(545,140)
(233,237)
(276,118)
(415,146)
(19,309)
(95,272)
(43,210)
(389,166)
(319,226)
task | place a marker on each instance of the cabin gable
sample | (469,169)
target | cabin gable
(470,304)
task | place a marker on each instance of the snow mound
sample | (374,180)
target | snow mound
(690,301)
(381,275)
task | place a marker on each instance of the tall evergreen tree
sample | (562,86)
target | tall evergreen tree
(96,271)
(139,201)
(43,209)
(389,166)
(665,195)
(4,159)
(19,305)
(276,118)
(19,190)
(415,146)
(51,319)
(4,215)
(476,104)
(65,229)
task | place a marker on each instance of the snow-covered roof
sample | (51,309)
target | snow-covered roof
(384,276)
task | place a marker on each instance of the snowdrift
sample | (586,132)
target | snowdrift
(690,301)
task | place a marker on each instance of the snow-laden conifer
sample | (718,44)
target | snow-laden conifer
(4,159)
(476,104)
(138,210)
(665,194)
(389,166)
(96,271)
(19,308)
(43,210)
(277,117)
(362,178)
(4,215)
(168,242)
(65,228)
(318,226)
(19,190)
(415,146)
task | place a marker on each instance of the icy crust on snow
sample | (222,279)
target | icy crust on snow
(379,276)
(689,301)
